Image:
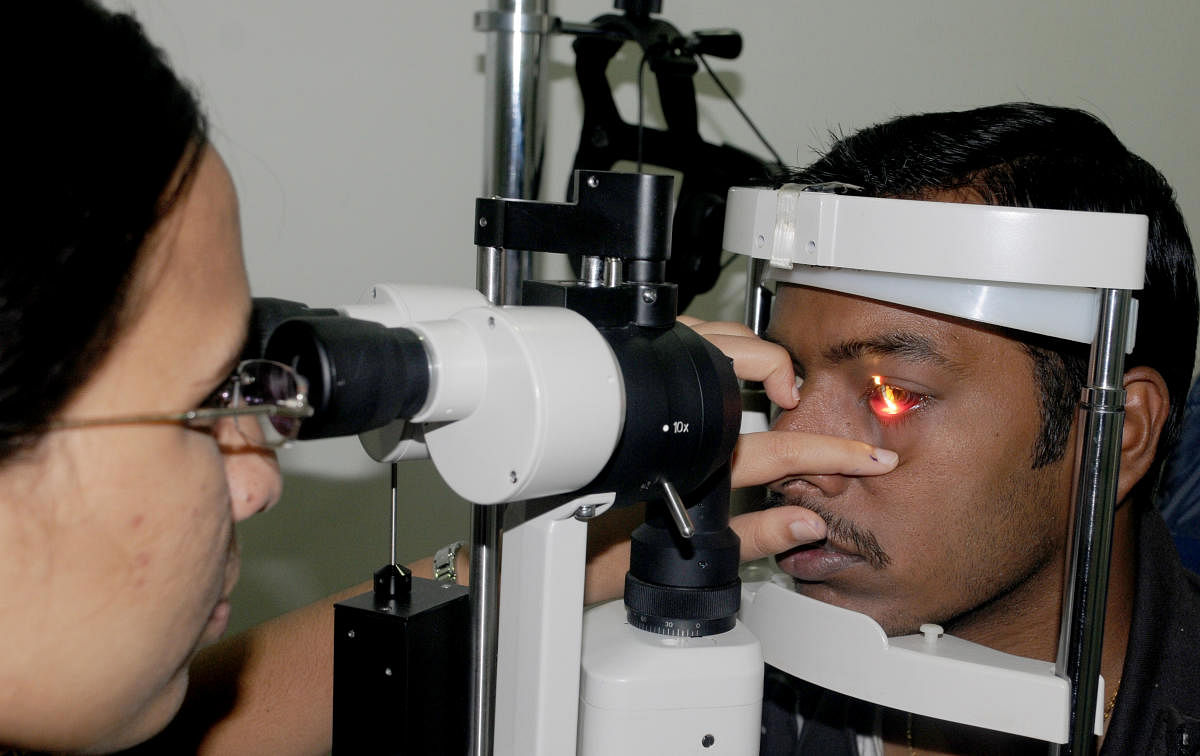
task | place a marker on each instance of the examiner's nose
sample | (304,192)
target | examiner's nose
(252,473)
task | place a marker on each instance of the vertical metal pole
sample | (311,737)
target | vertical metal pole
(514,108)
(486,534)
(514,136)
(486,527)
(1081,636)
(395,487)
(490,273)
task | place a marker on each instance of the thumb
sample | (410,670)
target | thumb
(776,530)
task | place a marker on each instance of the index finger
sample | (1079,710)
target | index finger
(753,358)
(763,457)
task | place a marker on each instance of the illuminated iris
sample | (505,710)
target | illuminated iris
(887,400)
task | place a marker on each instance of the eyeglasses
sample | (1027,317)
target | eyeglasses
(271,393)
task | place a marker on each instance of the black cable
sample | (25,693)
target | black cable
(749,122)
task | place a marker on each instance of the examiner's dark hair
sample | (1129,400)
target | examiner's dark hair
(1028,155)
(97,126)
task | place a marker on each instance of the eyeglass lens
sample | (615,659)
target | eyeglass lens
(262,382)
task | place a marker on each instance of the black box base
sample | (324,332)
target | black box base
(401,672)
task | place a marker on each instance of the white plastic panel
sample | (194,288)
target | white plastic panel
(541,623)
(949,240)
(524,402)
(939,676)
(401,305)
(551,413)
(396,305)
(457,369)
(1064,312)
(642,694)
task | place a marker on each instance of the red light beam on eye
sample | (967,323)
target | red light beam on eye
(891,400)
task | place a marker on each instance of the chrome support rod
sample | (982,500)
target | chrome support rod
(515,110)
(1081,635)
(486,535)
(395,487)
(486,532)
(514,140)
(490,273)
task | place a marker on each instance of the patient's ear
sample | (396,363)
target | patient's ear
(1147,404)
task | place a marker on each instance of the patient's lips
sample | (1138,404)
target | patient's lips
(817,562)
(847,543)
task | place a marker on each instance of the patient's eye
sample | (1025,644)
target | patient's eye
(887,400)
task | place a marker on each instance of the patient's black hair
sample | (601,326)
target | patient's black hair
(97,127)
(1029,155)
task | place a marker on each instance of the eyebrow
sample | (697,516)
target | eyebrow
(907,345)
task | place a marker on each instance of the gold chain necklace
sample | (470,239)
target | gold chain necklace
(1112,701)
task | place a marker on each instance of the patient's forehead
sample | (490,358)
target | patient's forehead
(810,322)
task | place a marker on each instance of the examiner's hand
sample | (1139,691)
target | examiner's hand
(761,458)
(758,458)
(762,534)
(753,358)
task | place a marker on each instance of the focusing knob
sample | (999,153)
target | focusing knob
(683,612)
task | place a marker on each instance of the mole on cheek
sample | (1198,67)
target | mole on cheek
(137,521)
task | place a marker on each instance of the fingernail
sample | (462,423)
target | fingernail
(796,384)
(807,530)
(885,456)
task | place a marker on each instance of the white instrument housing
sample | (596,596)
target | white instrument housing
(524,402)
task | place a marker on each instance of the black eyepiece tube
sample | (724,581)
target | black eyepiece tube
(361,375)
(266,315)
